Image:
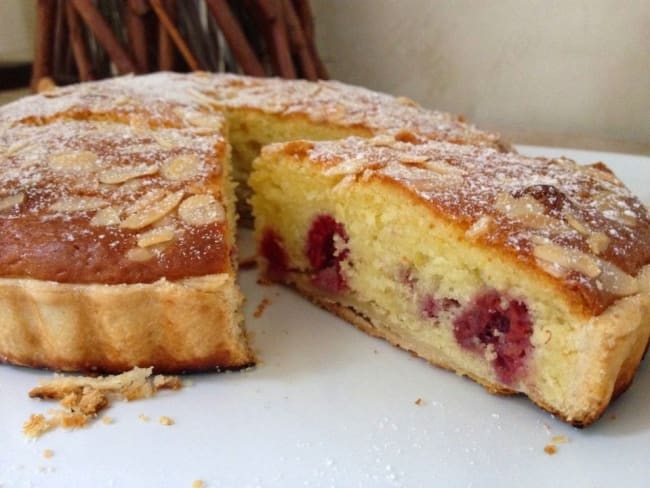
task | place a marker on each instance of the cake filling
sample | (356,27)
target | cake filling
(499,328)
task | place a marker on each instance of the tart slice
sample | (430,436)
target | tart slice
(527,275)
(117,247)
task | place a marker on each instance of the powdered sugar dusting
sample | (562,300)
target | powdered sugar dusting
(343,105)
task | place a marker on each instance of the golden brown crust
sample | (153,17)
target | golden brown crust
(188,325)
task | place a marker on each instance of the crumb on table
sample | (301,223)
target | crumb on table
(550,449)
(48,453)
(261,307)
(164,420)
(419,402)
(198,484)
(83,397)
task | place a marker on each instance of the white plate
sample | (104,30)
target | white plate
(330,406)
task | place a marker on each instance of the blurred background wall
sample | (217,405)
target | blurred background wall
(538,70)
(564,72)
(16,30)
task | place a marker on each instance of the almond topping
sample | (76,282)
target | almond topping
(163,141)
(181,167)
(616,281)
(139,254)
(120,175)
(349,167)
(525,209)
(406,101)
(73,161)
(106,216)
(78,204)
(598,242)
(567,258)
(480,227)
(201,210)
(11,201)
(153,213)
(577,225)
(206,121)
(17,147)
(155,236)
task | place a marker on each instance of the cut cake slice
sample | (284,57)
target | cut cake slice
(526,274)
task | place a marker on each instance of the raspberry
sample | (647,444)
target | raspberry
(272,249)
(324,259)
(503,324)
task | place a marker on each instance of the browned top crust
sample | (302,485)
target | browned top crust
(100,202)
(159,96)
(343,105)
(576,224)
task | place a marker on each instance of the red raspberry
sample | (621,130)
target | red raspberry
(322,254)
(272,249)
(504,324)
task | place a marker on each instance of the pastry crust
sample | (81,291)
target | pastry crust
(187,325)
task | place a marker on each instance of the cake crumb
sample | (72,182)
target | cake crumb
(559,439)
(144,418)
(83,397)
(198,484)
(550,449)
(164,420)
(48,453)
(36,425)
(107,420)
(261,307)
(419,402)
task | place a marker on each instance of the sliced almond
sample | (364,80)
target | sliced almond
(205,121)
(480,227)
(139,254)
(442,167)
(415,159)
(153,213)
(406,101)
(525,209)
(181,167)
(577,225)
(11,201)
(106,216)
(74,161)
(120,175)
(78,204)
(163,141)
(201,210)
(156,236)
(568,258)
(616,281)
(201,97)
(348,167)
(598,242)
(17,147)
(148,199)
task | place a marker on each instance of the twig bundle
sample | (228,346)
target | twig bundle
(80,40)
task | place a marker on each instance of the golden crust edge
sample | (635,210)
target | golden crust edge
(189,325)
